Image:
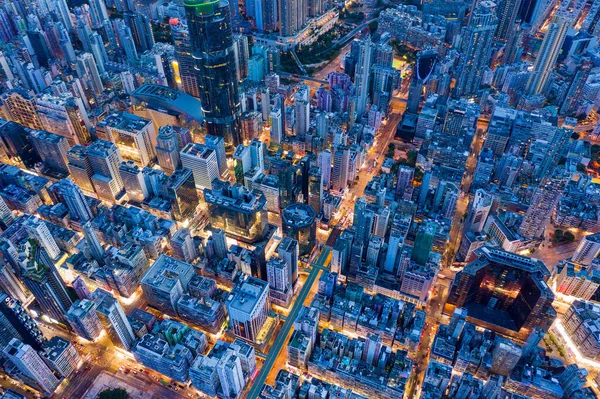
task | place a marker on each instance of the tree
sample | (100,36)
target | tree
(373,26)
(391,150)
(114,393)
(558,235)
(568,236)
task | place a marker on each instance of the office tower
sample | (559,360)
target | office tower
(52,149)
(396,239)
(278,277)
(423,243)
(404,182)
(524,302)
(240,212)
(165,282)
(325,167)
(72,196)
(31,366)
(183,246)
(425,64)
(113,319)
(16,322)
(478,212)
(339,173)
(212,47)
(181,191)
(141,30)
(302,111)
(257,154)
(219,243)
(248,307)
(105,161)
(277,128)
(132,135)
(298,222)
(37,229)
(292,16)
(506,11)
(476,48)
(217,144)
(541,208)
(81,288)
(83,319)
(202,161)
(133,181)
(315,189)
(94,246)
(576,89)
(182,43)
(87,67)
(587,250)
(98,12)
(61,356)
(167,149)
(81,168)
(288,250)
(363,51)
(242,162)
(505,356)
(229,370)
(44,282)
(548,54)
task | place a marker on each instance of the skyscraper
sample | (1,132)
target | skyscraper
(72,196)
(31,365)
(363,51)
(94,245)
(212,45)
(105,159)
(476,48)
(478,212)
(423,243)
(181,191)
(84,320)
(506,11)
(425,63)
(548,54)
(113,319)
(202,161)
(167,149)
(44,282)
(315,189)
(16,322)
(541,208)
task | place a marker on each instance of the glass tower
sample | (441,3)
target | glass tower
(212,44)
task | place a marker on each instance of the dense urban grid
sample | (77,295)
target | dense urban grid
(300,199)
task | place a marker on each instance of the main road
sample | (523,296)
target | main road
(285,331)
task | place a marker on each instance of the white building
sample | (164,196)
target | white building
(31,365)
(202,161)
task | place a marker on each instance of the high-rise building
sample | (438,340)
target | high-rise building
(16,322)
(339,172)
(165,282)
(217,144)
(105,160)
(505,356)
(425,64)
(113,318)
(183,246)
(133,181)
(81,168)
(167,149)
(242,162)
(181,191)
(524,302)
(423,243)
(292,16)
(248,307)
(240,212)
(277,125)
(541,208)
(93,242)
(86,66)
(72,196)
(212,45)
(476,48)
(38,229)
(302,111)
(298,222)
(325,167)
(478,212)
(257,154)
(315,189)
(548,54)
(31,366)
(202,161)
(133,136)
(61,356)
(288,251)
(22,108)
(52,149)
(587,250)
(363,52)
(44,282)
(506,11)
(280,287)
(84,320)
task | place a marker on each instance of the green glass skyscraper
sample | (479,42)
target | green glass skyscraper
(212,45)
(423,243)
